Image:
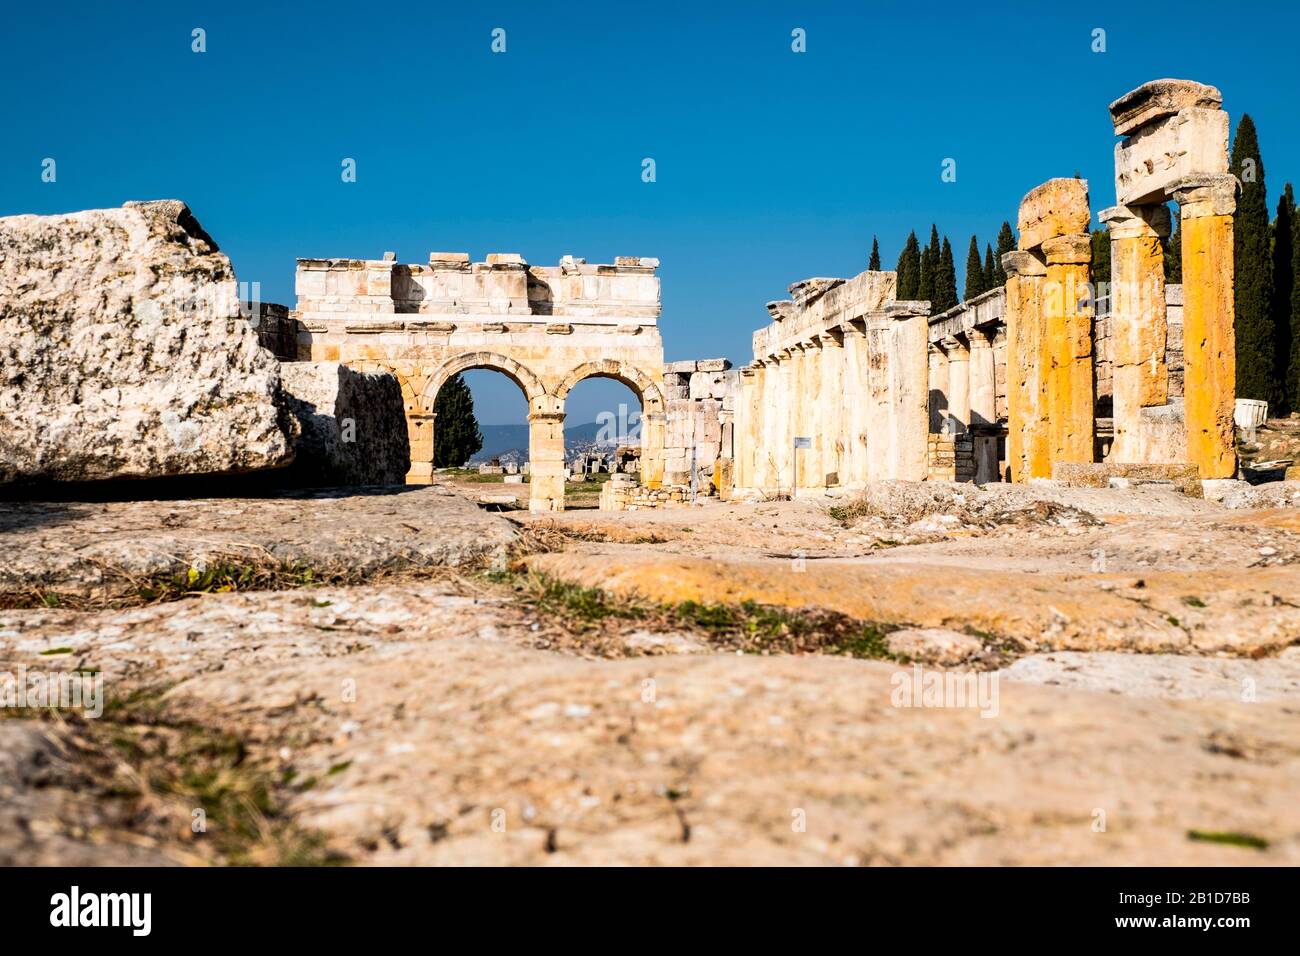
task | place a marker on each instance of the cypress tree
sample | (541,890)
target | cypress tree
(456,435)
(990,270)
(945,279)
(1283,289)
(1173,249)
(909,268)
(1254,292)
(1006,243)
(1293,370)
(975,283)
(873,264)
(929,268)
(1100,256)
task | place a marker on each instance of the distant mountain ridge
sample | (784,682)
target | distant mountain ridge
(500,439)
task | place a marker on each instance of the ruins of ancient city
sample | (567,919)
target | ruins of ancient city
(996,585)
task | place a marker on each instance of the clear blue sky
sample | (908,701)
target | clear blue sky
(772,165)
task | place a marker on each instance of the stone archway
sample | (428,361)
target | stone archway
(547,470)
(653,413)
(546,327)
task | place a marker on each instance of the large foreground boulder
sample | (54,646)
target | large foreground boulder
(353,426)
(123,353)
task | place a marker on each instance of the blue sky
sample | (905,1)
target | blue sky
(771,165)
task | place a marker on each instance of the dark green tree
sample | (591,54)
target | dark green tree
(1100,256)
(1283,289)
(929,268)
(990,270)
(1293,369)
(873,263)
(945,279)
(456,435)
(1254,287)
(1006,243)
(909,268)
(975,283)
(1173,249)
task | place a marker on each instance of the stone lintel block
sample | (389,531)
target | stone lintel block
(907,308)
(1068,250)
(559,328)
(1205,195)
(505,259)
(807,291)
(1135,222)
(313,263)
(1160,98)
(713,365)
(1020,263)
(684,367)
(375,325)
(1059,207)
(448,259)
(495,327)
(1150,161)
(780,310)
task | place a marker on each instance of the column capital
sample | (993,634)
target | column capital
(1018,262)
(1210,194)
(1068,250)
(1137,221)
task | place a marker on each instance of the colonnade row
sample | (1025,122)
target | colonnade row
(841,406)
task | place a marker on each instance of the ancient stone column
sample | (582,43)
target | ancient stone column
(879,403)
(832,401)
(810,405)
(1028,449)
(1206,206)
(937,393)
(546,454)
(419,431)
(857,407)
(909,338)
(787,406)
(1138,328)
(654,425)
(1068,311)
(747,413)
(958,354)
(983,379)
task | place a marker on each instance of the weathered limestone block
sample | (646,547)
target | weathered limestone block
(1175,129)
(1059,207)
(353,426)
(124,352)
(1206,207)
(1158,99)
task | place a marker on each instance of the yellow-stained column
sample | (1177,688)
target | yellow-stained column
(419,431)
(782,420)
(1138,324)
(1206,207)
(811,409)
(653,428)
(1028,449)
(1068,313)
(546,454)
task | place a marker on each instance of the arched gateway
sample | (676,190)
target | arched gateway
(546,327)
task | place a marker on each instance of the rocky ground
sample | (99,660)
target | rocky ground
(405,677)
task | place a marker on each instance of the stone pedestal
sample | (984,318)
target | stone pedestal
(1138,326)
(1206,205)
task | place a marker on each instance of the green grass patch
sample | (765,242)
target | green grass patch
(1228,838)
